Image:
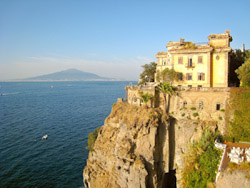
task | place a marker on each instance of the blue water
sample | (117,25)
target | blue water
(67,112)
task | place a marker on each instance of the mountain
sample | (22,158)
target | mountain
(69,75)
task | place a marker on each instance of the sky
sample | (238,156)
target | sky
(111,38)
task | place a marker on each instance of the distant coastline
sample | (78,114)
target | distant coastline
(92,80)
(70,75)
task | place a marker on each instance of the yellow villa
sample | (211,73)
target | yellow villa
(203,82)
(200,64)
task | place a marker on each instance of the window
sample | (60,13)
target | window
(180,60)
(134,98)
(190,86)
(199,86)
(217,106)
(201,76)
(164,62)
(200,58)
(189,76)
(190,62)
(184,103)
(201,105)
(180,76)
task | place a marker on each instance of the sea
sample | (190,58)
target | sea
(65,111)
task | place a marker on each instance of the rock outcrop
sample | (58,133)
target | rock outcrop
(131,149)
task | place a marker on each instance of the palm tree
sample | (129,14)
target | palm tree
(145,98)
(166,89)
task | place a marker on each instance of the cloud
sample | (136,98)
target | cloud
(124,68)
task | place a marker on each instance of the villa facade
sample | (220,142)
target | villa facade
(203,81)
(200,64)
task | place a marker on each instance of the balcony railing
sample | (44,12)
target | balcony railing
(190,65)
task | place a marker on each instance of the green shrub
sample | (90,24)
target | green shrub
(92,138)
(183,114)
(195,114)
(201,162)
(193,108)
(113,104)
(222,110)
(220,118)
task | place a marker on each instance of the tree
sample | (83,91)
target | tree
(166,89)
(146,97)
(169,75)
(236,60)
(244,73)
(148,73)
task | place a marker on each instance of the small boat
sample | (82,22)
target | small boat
(45,137)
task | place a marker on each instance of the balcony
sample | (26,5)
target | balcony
(190,65)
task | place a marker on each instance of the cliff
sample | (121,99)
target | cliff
(140,147)
(130,150)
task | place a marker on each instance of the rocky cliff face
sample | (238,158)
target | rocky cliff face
(140,147)
(131,150)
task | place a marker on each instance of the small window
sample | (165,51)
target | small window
(201,76)
(164,62)
(201,105)
(180,60)
(200,59)
(134,99)
(199,86)
(184,103)
(190,86)
(217,106)
(189,76)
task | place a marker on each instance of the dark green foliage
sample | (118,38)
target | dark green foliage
(183,114)
(193,108)
(201,162)
(244,73)
(220,118)
(168,75)
(240,103)
(195,114)
(148,73)
(92,138)
(236,60)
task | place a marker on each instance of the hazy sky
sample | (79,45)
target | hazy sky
(111,38)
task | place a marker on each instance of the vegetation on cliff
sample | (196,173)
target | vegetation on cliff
(92,138)
(239,129)
(201,162)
